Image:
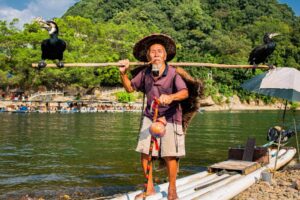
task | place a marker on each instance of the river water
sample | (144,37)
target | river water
(91,155)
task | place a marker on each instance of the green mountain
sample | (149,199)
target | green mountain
(214,31)
(206,30)
(217,31)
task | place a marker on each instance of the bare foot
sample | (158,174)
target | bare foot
(172,194)
(141,195)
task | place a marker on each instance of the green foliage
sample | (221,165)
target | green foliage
(215,31)
(86,42)
(294,106)
(218,99)
(210,88)
(125,97)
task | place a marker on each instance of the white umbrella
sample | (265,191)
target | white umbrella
(279,82)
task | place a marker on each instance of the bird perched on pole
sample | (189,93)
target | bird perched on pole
(261,53)
(52,48)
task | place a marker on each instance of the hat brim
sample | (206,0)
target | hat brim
(141,47)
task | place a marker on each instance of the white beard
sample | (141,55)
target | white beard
(155,69)
(156,66)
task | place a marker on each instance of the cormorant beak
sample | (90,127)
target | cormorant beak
(273,35)
(42,23)
(46,26)
(50,27)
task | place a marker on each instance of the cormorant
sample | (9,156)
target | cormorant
(52,48)
(261,53)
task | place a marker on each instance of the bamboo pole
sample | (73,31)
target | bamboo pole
(181,64)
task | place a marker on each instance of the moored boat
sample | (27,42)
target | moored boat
(3,109)
(22,109)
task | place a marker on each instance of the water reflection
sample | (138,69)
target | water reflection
(93,154)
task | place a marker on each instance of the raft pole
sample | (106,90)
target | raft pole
(175,64)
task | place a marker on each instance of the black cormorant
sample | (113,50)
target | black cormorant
(52,48)
(261,53)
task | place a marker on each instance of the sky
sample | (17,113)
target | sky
(294,4)
(27,10)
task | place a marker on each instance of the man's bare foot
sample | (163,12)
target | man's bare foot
(141,195)
(172,194)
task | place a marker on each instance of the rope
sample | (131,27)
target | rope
(268,144)
(154,107)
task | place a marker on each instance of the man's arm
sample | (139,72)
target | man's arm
(125,80)
(180,95)
(126,83)
(165,99)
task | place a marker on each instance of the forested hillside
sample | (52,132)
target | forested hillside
(215,31)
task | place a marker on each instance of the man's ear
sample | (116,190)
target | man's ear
(165,58)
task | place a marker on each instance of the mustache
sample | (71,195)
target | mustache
(156,66)
(154,59)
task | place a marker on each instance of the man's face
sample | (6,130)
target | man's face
(157,54)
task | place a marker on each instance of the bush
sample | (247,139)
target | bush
(125,97)
(294,106)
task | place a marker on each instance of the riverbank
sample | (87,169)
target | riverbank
(228,107)
(71,106)
(235,104)
(58,102)
(285,184)
(111,106)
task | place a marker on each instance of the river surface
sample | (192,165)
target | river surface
(91,155)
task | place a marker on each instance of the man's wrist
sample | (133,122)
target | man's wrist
(172,97)
(123,73)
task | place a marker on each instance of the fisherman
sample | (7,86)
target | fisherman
(159,81)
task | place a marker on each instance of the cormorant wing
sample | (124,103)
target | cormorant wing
(61,44)
(44,49)
(61,47)
(258,55)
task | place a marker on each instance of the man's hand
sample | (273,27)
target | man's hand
(165,99)
(124,67)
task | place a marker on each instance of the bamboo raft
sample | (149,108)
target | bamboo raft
(214,186)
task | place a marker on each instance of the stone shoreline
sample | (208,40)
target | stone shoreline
(215,107)
(285,184)
(242,107)
(235,104)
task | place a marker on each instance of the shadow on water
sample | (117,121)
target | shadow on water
(91,155)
